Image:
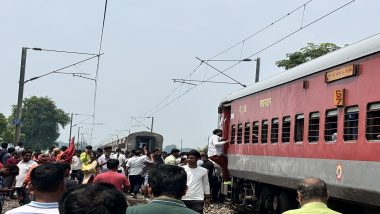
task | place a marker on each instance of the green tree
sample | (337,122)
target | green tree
(305,54)
(3,123)
(41,120)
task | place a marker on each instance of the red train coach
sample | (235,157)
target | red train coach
(320,119)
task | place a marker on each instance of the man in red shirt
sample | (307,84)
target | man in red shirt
(119,180)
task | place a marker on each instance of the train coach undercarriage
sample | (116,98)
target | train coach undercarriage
(260,197)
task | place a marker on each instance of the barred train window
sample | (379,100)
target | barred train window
(373,121)
(255,132)
(239,133)
(264,131)
(274,131)
(314,127)
(299,127)
(247,132)
(233,130)
(331,125)
(351,118)
(285,129)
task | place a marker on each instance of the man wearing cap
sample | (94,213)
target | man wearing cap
(171,159)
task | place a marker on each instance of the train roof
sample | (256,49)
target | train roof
(354,51)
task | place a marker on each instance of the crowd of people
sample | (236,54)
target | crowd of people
(97,181)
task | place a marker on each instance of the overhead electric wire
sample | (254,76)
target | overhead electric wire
(262,29)
(263,49)
(243,41)
(97,69)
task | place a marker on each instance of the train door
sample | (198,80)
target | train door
(145,141)
(224,122)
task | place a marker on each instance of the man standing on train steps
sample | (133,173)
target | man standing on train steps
(312,195)
(215,153)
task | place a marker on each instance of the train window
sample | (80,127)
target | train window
(299,127)
(255,132)
(373,122)
(331,125)
(274,131)
(264,131)
(233,130)
(314,127)
(285,129)
(247,132)
(351,121)
(239,133)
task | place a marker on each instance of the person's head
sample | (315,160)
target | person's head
(51,148)
(168,180)
(118,150)
(204,157)
(47,181)
(312,190)
(9,170)
(66,167)
(37,152)
(107,151)
(137,152)
(164,154)
(93,156)
(88,149)
(63,148)
(26,155)
(96,198)
(112,164)
(192,157)
(4,145)
(11,150)
(157,152)
(175,152)
(44,158)
(56,151)
(20,144)
(218,132)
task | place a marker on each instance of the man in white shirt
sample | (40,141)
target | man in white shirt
(102,160)
(121,158)
(24,166)
(76,166)
(215,153)
(47,196)
(198,192)
(135,167)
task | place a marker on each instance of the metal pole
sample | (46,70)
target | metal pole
(78,138)
(20,95)
(151,126)
(257,69)
(181,145)
(71,125)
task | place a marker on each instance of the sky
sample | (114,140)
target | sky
(147,43)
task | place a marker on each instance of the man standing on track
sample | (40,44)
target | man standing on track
(215,153)
(198,192)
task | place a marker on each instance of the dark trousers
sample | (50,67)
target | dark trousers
(23,195)
(222,161)
(135,181)
(214,188)
(195,205)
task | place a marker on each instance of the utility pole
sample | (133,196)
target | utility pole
(181,144)
(71,125)
(257,69)
(78,138)
(17,121)
(151,125)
